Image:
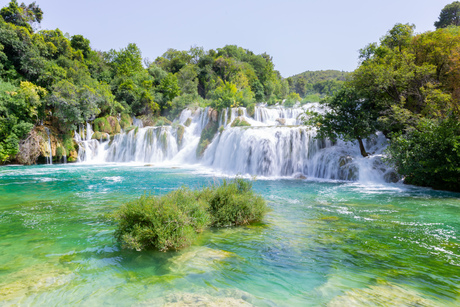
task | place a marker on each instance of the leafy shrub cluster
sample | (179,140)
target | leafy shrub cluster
(234,203)
(429,155)
(173,220)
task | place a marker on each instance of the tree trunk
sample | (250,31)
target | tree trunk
(361,147)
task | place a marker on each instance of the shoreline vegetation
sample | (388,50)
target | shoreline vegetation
(407,86)
(172,221)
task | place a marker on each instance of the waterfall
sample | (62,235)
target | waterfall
(49,160)
(88,149)
(275,144)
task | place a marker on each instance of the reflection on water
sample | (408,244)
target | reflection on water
(323,243)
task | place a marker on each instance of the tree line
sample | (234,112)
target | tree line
(408,86)
(51,77)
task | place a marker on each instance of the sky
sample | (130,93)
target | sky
(299,35)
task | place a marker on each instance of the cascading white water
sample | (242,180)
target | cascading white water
(49,159)
(275,144)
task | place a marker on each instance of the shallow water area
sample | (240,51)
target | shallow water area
(323,243)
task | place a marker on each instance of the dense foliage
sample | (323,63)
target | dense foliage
(407,86)
(173,220)
(351,116)
(429,155)
(449,16)
(76,84)
(311,85)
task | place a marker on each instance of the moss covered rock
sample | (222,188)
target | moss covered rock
(125,121)
(102,125)
(206,137)
(251,109)
(180,135)
(114,124)
(240,122)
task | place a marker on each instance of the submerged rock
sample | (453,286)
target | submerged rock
(381,295)
(199,259)
(217,298)
(299,176)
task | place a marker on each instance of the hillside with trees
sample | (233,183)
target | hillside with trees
(49,77)
(407,86)
(313,85)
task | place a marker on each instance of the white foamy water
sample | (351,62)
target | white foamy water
(276,144)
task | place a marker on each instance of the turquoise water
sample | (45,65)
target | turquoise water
(323,243)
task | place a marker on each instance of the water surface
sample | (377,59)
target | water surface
(323,243)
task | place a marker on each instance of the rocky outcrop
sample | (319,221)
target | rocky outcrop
(43,143)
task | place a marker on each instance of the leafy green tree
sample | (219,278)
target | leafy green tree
(169,87)
(18,113)
(229,96)
(399,36)
(73,105)
(429,155)
(292,99)
(78,42)
(351,116)
(449,16)
(22,15)
(127,61)
(187,80)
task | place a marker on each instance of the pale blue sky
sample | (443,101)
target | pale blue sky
(299,35)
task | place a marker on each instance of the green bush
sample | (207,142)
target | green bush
(163,223)
(162,121)
(291,100)
(102,125)
(173,220)
(429,155)
(234,203)
(60,151)
(311,98)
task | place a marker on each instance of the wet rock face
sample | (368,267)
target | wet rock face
(299,176)
(391,176)
(281,121)
(347,170)
(29,149)
(213,115)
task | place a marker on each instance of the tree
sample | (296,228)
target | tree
(227,96)
(429,155)
(351,116)
(78,42)
(22,15)
(449,16)
(18,113)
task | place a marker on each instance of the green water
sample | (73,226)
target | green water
(323,243)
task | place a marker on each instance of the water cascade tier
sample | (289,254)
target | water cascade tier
(271,142)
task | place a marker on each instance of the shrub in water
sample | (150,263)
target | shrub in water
(172,221)
(167,222)
(234,203)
